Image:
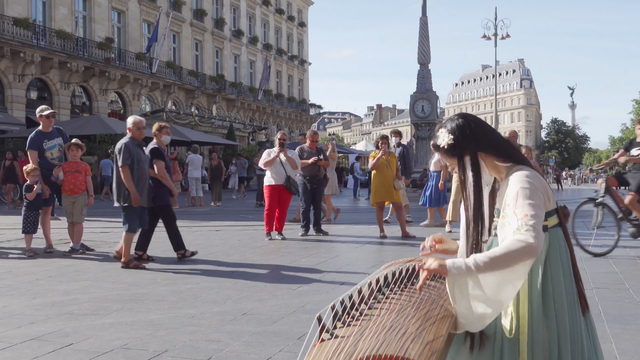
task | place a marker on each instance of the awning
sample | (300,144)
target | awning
(10,123)
(342,150)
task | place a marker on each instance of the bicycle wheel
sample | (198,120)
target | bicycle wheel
(595,228)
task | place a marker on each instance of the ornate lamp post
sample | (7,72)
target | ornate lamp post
(493,29)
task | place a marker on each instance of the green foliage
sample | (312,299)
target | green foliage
(230,151)
(627,131)
(568,144)
(101,145)
(250,152)
(339,140)
(596,156)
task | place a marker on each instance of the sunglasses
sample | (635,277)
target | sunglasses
(137,128)
(51,116)
(314,141)
(282,139)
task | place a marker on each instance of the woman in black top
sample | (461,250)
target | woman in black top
(216,178)
(161,192)
(9,176)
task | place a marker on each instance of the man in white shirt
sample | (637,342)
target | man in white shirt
(193,171)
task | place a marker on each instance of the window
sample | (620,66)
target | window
(519,116)
(511,102)
(147,30)
(252,67)
(81,18)
(289,85)
(300,48)
(485,106)
(528,117)
(300,15)
(174,54)
(512,118)
(278,38)
(40,12)
(529,138)
(197,58)
(236,68)
(265,32)
(518,101)
(289,43)
(216,9)
(499,89)
(197,4)
(218,54)
(529,101)
(289,9)
(116,28)
(234,18)
(300,89)
(278,81)
(250,29)
(277,4)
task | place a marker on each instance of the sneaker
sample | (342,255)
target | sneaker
(213,204)
(386,221)
(233,196)
(448,228)
(321,233)
(86,248)
(55,218)
(73,251)
(303,233)
(280,236)
(441,223)
(427,223)
(408,219)
(268,237)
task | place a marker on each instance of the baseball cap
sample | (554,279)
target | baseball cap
(44,110)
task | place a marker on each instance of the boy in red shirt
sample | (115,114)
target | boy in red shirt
(75,178)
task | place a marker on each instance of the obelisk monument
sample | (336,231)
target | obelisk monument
(424,101)
(573,105)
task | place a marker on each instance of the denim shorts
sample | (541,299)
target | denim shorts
(134,219)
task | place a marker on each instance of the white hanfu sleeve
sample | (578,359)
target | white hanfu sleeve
(484,284)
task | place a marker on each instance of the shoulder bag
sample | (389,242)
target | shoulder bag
(397,184)
(289,182)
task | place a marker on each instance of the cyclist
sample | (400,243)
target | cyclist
(629,154)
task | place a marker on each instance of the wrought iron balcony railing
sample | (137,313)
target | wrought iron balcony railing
(92,51)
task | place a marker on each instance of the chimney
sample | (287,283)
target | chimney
(379,111)
(484,67)
(521,61)
(369,108)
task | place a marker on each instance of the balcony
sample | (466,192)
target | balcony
(219,24)
(199,15)
(176,6)
(94,52)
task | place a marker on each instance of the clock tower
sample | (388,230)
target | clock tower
(424,101)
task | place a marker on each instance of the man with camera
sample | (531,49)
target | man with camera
(314,162)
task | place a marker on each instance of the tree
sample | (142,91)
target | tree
(230,150)
(566,143)
(339,140)
(596,156)
(627,131)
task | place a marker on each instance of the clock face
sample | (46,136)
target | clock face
(422,108)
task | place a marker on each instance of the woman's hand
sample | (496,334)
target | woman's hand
(438,244)
(56,171)
(441,185)
(431,266)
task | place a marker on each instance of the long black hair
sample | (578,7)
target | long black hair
(471,135)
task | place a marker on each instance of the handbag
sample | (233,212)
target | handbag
(397,184)
(289,182)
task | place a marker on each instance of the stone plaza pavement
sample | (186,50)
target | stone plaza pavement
(241,297)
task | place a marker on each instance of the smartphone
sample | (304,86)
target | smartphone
(37,182)
(281,145)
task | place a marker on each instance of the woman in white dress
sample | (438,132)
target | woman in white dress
(515,285)
(332,186)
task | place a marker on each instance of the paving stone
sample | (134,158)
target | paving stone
(241,297)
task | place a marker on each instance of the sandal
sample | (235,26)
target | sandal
(185,254)
(408,236)
(116,255)
(337,213)
(30,252)
(383,236)
(143,257)
(132,264)
(49,249)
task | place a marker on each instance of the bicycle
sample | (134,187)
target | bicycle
(594,218)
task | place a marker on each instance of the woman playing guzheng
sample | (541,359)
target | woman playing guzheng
(515,285)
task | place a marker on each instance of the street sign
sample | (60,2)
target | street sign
(552,161)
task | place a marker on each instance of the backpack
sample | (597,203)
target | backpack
(352,169)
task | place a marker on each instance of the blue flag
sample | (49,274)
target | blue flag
(154,35)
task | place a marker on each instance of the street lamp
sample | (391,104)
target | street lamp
(494,28)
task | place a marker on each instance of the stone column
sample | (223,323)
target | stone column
(572,107)
(424,132)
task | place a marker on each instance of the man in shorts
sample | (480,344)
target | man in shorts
(630,154)
(131,188)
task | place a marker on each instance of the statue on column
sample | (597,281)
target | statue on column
(573,90)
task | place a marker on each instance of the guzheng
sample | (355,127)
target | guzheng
(385,318)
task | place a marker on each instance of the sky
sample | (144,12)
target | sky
(364,52)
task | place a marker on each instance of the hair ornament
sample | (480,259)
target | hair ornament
(444,138)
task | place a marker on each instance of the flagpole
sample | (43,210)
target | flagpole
(155,51)
(161,44)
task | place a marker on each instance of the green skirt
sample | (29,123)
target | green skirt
(557,330)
